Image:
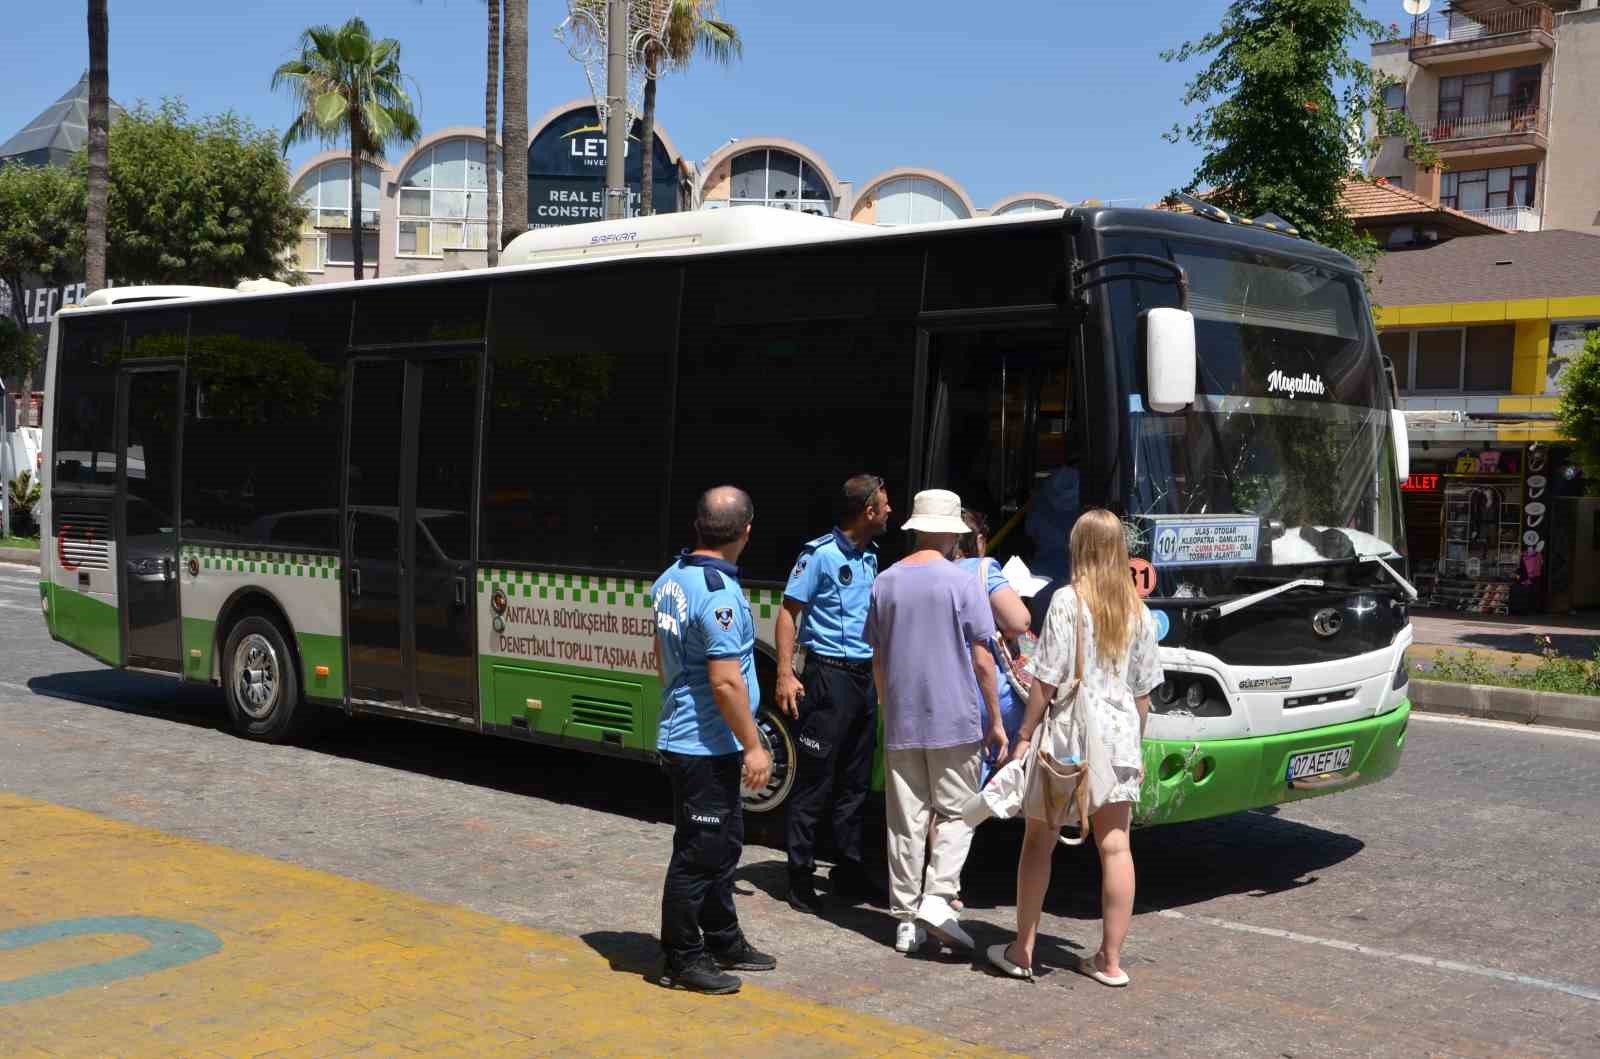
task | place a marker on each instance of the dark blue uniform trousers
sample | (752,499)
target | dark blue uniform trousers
(837,731)
(697,901)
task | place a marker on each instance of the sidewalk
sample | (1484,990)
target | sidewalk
(119,940)
(1500,639)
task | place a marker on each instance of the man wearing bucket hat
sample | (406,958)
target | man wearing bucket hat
(929,623)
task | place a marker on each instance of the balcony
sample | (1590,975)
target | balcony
(1483,134)
(1450,36)
(1511,218)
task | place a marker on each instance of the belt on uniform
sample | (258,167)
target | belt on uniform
(849,665)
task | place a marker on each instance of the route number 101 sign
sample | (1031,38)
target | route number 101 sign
(1205,541)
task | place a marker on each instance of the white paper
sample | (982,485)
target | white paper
(1017,573)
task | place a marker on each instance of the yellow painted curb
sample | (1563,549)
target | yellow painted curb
(275,958)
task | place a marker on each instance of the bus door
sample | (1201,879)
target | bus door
(409,474)
(996,423)
(152,411)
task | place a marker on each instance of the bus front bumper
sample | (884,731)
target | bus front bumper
(1194,780)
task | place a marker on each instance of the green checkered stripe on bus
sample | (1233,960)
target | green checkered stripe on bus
(252,561)
(612,591)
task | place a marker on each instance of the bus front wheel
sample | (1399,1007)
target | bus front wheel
(260,680)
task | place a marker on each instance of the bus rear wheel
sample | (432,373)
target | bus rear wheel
(260,681)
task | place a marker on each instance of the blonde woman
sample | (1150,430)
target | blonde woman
(1101,615)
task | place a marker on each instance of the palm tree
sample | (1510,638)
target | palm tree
(515,221)
(491,137)
(99,183)
(347,84)
(692,26)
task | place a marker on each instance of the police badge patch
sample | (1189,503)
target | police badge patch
(845,576)
(799,568)
(724,616)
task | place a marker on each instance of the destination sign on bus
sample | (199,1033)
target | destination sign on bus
(1205,541)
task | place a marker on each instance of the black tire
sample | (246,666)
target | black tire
(261,681)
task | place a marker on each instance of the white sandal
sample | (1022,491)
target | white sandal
(997,957)
(1086,966)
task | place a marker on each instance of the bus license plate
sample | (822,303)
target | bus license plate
(1319,762)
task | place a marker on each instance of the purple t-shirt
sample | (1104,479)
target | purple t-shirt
(922,622)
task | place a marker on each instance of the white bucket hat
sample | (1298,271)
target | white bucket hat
(936,511)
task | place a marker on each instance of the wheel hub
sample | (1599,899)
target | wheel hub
(255,664)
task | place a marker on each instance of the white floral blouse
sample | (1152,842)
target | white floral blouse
(1108,689)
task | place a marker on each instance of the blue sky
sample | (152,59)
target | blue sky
(1062,96)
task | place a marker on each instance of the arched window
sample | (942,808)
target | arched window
(444,196)
(769,176)
(917,200)
(1028,206)
(325,233)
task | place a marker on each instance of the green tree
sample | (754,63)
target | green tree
(692,28)
(96,235)
(41,234)
(204,202)
(515,209)
(349,86)
(1284,109)
(1579,408)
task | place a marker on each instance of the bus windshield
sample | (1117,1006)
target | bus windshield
(1286,451)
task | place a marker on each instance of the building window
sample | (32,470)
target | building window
(325,232)
(1438,360)
(1452,359)
(1027,206)
(1489,189)
(1487,365)
(773,177)
(1394,97)
(1495,94)
(444,195)
(917,200)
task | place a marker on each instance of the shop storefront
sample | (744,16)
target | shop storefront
(567,170)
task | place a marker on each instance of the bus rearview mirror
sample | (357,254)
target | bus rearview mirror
(1402,444)
(1170,363)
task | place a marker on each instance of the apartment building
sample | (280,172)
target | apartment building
(1505,91)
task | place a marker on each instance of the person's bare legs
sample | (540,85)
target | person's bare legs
(1033,879)
(1116,882)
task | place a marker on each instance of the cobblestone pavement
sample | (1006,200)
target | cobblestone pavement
(1451,910)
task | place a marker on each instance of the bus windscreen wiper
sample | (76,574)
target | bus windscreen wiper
(1233,606)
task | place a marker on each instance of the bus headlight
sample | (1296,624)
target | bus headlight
(1402,674)
(1191,695)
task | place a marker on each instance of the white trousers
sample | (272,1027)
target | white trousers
(924,786)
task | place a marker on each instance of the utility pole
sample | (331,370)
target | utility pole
(616,110)
(6,428)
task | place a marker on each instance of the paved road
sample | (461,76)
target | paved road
(1453,910)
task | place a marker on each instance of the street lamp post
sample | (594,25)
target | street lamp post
(616,110)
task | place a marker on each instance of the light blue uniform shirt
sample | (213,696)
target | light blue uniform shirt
(833,579)
(701,614)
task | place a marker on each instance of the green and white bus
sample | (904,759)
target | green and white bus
(445,497)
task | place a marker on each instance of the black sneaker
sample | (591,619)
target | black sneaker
(702,975)
(803,895)
(744,957)
(851,882)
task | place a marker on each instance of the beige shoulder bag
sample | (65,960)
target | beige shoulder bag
(1055,782)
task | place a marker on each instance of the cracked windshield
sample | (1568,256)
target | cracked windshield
(1284,456)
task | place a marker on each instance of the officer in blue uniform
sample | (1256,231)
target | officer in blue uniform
(831,697)
(705,657)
